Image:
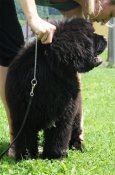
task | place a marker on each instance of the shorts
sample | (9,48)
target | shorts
(11,35)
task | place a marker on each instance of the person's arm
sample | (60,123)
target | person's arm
(43,29)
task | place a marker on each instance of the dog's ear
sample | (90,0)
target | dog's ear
(71,44)
(73,37)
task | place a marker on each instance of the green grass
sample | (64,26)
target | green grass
(22,22)
(104,55)
(99,110)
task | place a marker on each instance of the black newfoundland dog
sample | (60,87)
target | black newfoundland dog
(56,105)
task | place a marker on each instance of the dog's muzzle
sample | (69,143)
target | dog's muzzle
(98,60)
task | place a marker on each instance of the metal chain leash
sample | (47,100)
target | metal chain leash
(33,83)
(34,80)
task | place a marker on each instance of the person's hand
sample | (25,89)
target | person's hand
(43,29)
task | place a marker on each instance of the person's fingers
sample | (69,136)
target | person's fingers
(53,27)
(43,30)
(44,37)
(50,35)
(48,38)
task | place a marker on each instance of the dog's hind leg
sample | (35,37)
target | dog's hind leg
(77,130)
(77,136)
(57,140)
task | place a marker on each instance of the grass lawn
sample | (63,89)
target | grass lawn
(99,110)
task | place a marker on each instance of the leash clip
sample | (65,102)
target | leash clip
(34,83)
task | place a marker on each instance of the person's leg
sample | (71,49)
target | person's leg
(11,39)
(3,73)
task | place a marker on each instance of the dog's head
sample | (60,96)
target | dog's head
(76,46)
(91,59)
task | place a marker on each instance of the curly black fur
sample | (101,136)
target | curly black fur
(57,98)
